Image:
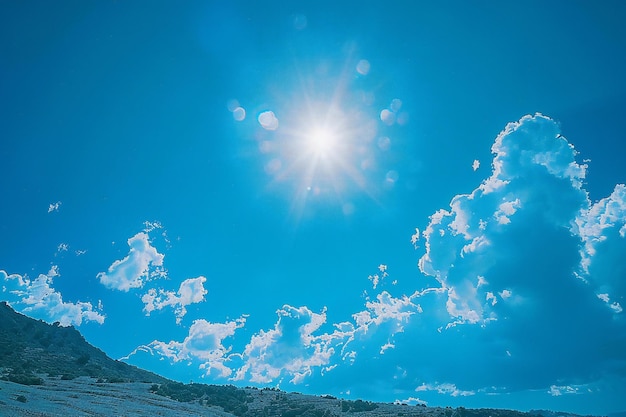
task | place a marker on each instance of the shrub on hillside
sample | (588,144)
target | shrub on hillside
(24,379)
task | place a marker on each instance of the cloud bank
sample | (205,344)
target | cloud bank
(528,276)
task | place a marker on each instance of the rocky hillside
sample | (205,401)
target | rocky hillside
(30,349)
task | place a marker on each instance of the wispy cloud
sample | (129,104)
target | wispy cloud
(445,388)
(37,297)
(557,391)
(63,247)
(54,207)
(143,263)
(411,401)
(378,277)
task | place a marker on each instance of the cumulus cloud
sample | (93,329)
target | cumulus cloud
(526,257)
(296,347)
(37,298)
(534,173)
(204,343)
(290,349)
(140,269)
(387,309)
(190,291)
(143,263)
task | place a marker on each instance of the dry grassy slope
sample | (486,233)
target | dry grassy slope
(277,403)
(83,396)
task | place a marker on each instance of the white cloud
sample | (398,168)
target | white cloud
(506,210)
(446,389)
(150,226)
(191,291)
(386,346)
(535,173)
(387,308)
(557,391)
(476,244)
(375,280)
(602,227)
(475,164)
(465,309)
(415,237)
(38,298)
(291,349)
(54,207)
(529,231)
(378,278)
(411,401)
(143,263)
(204,343)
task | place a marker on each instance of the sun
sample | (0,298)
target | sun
(323,151)
(322,141)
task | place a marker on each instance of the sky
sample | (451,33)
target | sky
(407,201)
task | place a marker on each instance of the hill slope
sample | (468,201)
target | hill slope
(30,348)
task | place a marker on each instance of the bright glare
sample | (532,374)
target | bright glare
(322,140)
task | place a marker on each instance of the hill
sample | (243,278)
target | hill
(30,348)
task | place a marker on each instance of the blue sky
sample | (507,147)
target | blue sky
(401,201)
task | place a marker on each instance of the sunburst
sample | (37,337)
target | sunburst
(324,149)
